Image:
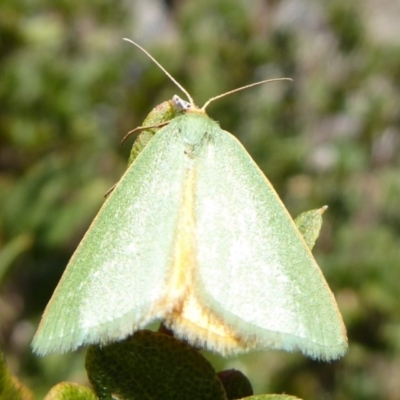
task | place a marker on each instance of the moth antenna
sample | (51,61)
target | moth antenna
(162,69)
(243,88)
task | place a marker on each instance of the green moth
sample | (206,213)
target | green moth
(158,117)
(194,234)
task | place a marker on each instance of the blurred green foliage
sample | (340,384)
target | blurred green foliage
(70,88)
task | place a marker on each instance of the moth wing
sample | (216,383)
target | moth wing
(116,281)
(255,272)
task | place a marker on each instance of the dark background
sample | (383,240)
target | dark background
(70,89)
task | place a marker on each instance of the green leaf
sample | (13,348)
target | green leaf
(309,224)
(10,387)
(69,391)
(149,366)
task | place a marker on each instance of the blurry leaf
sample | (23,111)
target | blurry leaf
(345,20)
(10,387)
(70,391)
(11,251)
(151,366)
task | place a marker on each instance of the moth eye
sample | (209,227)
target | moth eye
(182,104)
